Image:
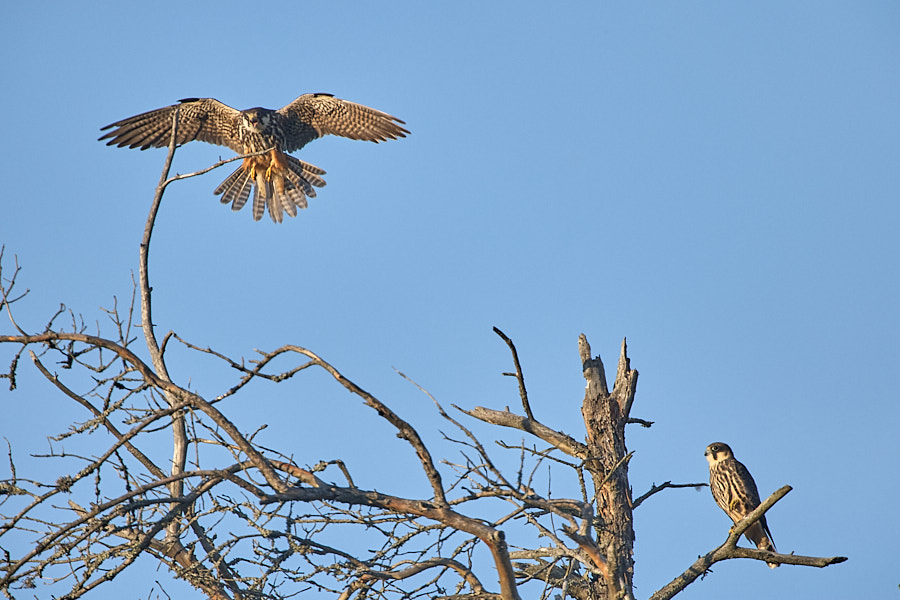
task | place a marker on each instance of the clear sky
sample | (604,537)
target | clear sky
(717,182)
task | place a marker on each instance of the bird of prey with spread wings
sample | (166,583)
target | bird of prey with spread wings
(735,492)
(281,181)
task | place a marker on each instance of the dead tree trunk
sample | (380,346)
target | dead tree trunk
(605,415)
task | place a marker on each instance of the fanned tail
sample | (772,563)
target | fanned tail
(301,179)
(235,189)
(285,192)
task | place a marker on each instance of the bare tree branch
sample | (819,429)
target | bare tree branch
(663,486)
(730,550)
(404,430)
(245,521)
(556,439)
(179,432)
(493,538)
(518,374)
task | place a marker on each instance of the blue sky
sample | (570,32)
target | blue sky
(716,182)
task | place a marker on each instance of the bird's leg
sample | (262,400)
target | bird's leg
(277,163)
(250,165)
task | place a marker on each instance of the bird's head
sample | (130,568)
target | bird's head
(717,451)
(256,119)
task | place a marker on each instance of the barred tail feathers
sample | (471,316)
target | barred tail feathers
(286,191)
(235,189)
(262,196)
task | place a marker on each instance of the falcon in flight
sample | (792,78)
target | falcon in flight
(735,492)
(281,181)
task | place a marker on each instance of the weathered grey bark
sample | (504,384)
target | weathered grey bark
(608,549)
(605,415)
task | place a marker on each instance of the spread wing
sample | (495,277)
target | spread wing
(313,115)
(204,119)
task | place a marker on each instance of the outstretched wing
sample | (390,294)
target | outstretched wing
(204,119)
(313,115)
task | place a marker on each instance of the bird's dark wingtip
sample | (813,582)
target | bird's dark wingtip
(185,100)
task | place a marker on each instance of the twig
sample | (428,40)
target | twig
(526,406)
(405,431)
(658,488)
(7,289)
(216,166)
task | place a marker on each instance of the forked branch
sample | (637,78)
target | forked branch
(520,377)
(729,549)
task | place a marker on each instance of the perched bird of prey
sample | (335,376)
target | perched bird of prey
(735,492)
(281,181)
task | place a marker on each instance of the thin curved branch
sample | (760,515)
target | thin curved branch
(215,166)
(179,429)
(249,374)
(663,486)
(323,464)
(520,377)
(143,271)
(404,430)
